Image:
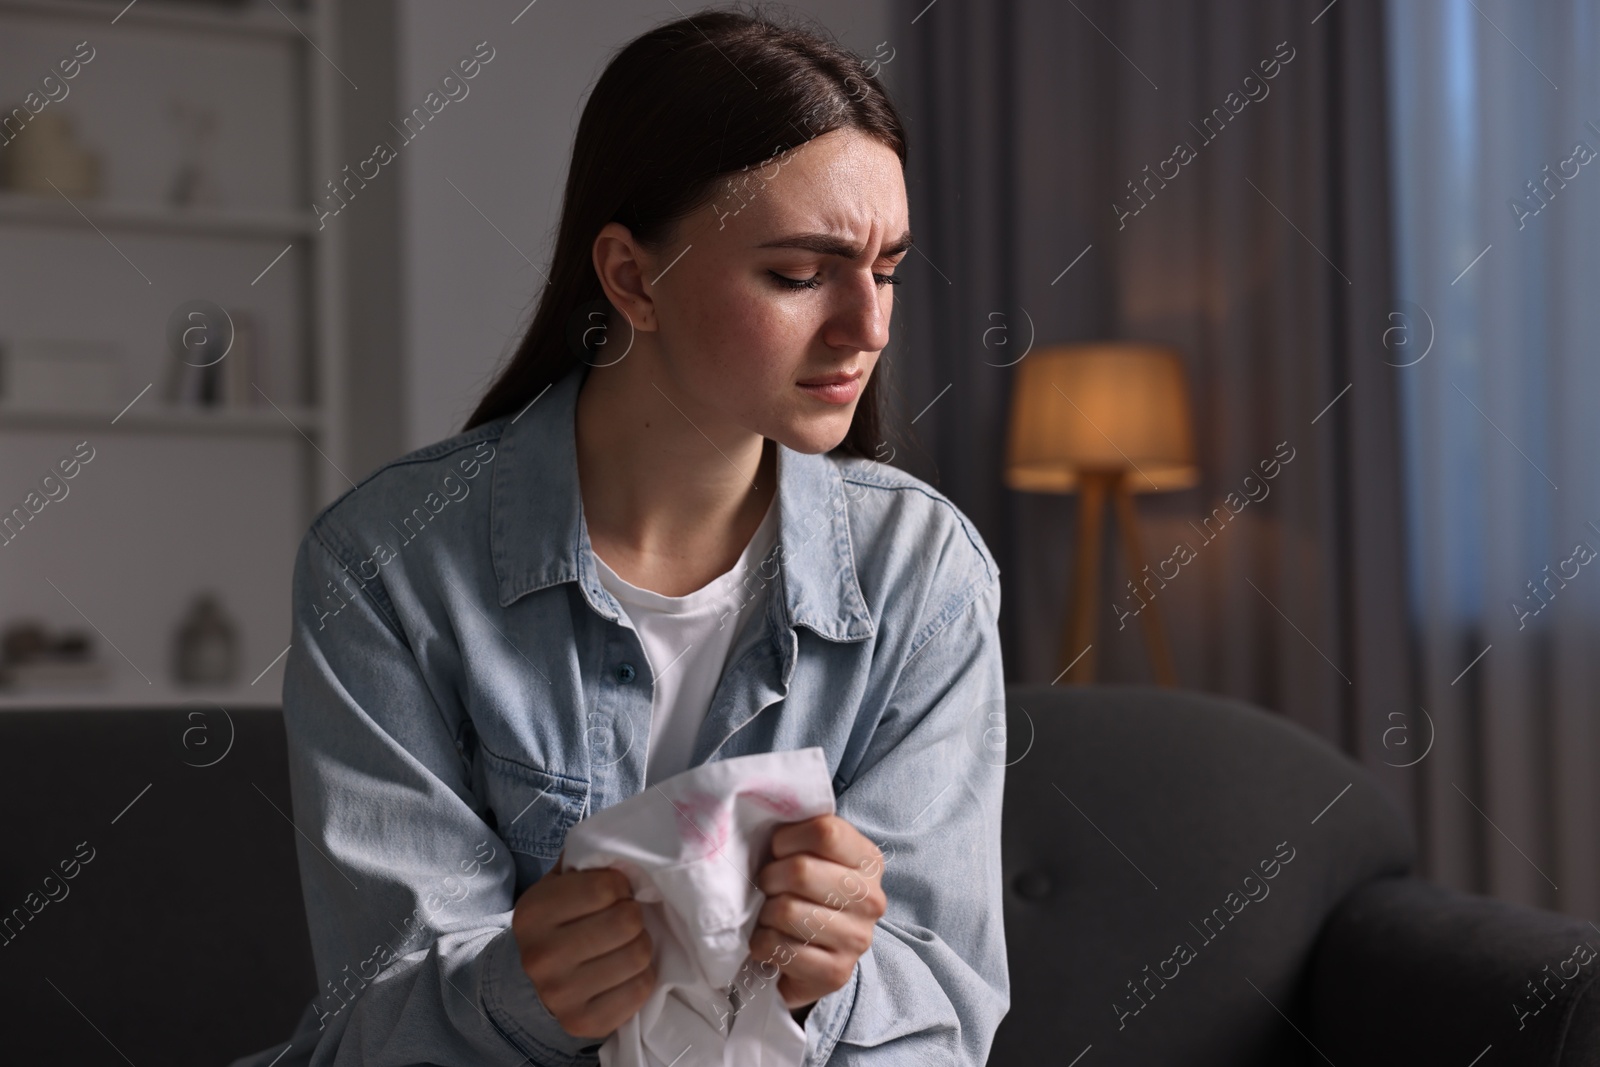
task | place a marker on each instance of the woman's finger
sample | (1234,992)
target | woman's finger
(827,836)
(824,883)
(807,922)
(808,969)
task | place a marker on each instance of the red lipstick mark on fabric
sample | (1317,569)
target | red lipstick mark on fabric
(704,820)
(703,823)
(775,797)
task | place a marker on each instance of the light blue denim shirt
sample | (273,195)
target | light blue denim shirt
(460,691)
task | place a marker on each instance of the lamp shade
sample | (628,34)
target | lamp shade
(1102,406)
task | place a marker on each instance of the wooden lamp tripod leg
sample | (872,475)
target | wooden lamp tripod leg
(1079,632)
(1155,634)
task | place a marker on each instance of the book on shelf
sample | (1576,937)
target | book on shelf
(52,675)
(227,380)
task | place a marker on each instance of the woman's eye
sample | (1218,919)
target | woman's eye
(814,281)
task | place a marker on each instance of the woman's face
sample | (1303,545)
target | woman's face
(780,281)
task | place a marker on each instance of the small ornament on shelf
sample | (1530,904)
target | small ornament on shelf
(32,659)
(206,647)
(193,184)
(49,161)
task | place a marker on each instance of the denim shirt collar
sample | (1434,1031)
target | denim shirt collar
(539,537)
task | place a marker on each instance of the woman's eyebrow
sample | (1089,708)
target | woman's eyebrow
(833,245)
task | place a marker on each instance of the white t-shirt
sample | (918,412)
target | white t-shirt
(687,640)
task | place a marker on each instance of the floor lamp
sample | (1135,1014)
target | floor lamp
(1107,420)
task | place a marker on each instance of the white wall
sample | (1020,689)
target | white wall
(467,292)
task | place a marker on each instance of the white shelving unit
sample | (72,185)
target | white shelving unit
(261,21)
(188,222)
(179,499)
(168,418)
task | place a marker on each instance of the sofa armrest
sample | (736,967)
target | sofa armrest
(1406,972)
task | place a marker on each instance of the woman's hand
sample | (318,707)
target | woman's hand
(585,948)
(823,897)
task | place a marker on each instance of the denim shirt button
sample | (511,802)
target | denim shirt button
(625,673)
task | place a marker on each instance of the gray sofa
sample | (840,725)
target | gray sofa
(1131,815)
(1138,820)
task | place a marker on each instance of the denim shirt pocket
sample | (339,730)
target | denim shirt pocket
(530,809)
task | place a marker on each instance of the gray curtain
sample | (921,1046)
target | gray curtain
(1264,258)
(1497,134)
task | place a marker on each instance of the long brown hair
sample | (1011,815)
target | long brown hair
(678,113)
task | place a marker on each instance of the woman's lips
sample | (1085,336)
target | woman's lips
(836,392)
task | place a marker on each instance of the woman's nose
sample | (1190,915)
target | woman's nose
(863,322)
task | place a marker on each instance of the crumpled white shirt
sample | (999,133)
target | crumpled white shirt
(691,847)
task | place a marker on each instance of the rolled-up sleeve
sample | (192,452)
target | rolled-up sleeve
(408,892)
(933,986)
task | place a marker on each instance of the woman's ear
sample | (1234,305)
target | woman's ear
(622,265)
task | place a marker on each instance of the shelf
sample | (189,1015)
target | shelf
(154,418)
(159,218)
(267,694)
(243,19)
(270,67)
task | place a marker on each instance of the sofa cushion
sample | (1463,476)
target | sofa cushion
(1170,858)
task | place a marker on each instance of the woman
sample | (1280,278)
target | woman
(660,540)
